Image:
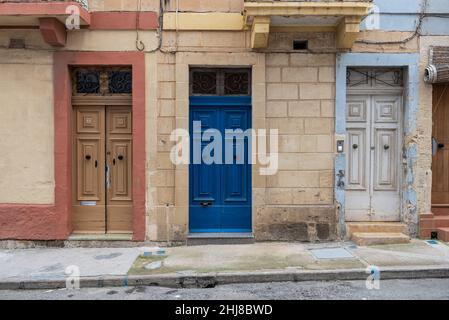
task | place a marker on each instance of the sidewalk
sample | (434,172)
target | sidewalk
(207,266)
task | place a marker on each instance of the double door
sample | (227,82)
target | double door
(373,148)
(220,191)
(102,169)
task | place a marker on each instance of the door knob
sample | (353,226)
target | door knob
(88,157)
(120,157)
(355,146)
(386,147)
(440,145)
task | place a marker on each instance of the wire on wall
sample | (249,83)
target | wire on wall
(139,43)
(416,33)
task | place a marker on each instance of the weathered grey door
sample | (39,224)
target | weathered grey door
(373,146)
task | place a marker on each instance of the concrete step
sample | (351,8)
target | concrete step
(201,239)
(440,211)
(443,234)
(367,227)
(435,222)
(441,221)
(378,238)
(430,223)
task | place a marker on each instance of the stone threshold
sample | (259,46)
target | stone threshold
(220,238)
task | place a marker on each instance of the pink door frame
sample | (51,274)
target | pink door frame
(54,222)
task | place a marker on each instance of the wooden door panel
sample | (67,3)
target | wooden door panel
(88,204)
(204,188)
(120,121)
(386,109)
(385,167)
(358,117)
(356,108)
(89,120)
(88,172)
(357,151)
(120,185)
(235,177)
(440,131)
(119,164)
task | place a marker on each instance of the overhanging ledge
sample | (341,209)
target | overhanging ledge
(345,18)
(27,14)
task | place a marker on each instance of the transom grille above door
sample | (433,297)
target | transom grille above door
(101,81)
(363,78)
(220,82)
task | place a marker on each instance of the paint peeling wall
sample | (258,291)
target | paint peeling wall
(404,15)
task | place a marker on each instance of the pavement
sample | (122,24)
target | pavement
(209,266)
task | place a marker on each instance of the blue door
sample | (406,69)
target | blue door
(220,193)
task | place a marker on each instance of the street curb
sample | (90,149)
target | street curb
(209,280)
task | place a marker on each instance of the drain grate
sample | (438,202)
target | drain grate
(331,253)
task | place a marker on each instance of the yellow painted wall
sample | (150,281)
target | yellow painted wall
(26,127)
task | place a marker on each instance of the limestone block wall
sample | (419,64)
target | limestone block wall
(300,104)
(298,94)
(163,221)
(26,130)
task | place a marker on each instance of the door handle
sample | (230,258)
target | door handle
(440,145)
(120,157)
(386,147)
(108,177)
(96,163)
(88,157)
(355,146)
(206,204)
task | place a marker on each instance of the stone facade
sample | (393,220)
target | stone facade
(298,91)
(293,91)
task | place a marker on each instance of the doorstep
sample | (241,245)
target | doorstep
(219,238)
(101,237)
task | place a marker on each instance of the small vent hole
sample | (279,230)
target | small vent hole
(300,44)
(17,44)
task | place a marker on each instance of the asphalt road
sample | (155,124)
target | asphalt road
(434,289)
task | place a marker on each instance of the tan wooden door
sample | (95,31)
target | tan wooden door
(440,161)
(102,164)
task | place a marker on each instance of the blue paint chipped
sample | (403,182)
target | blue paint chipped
(403,15)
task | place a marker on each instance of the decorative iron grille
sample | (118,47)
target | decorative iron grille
(374,77)
(223,81)
(102,81)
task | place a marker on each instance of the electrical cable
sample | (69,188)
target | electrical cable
(416,33)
